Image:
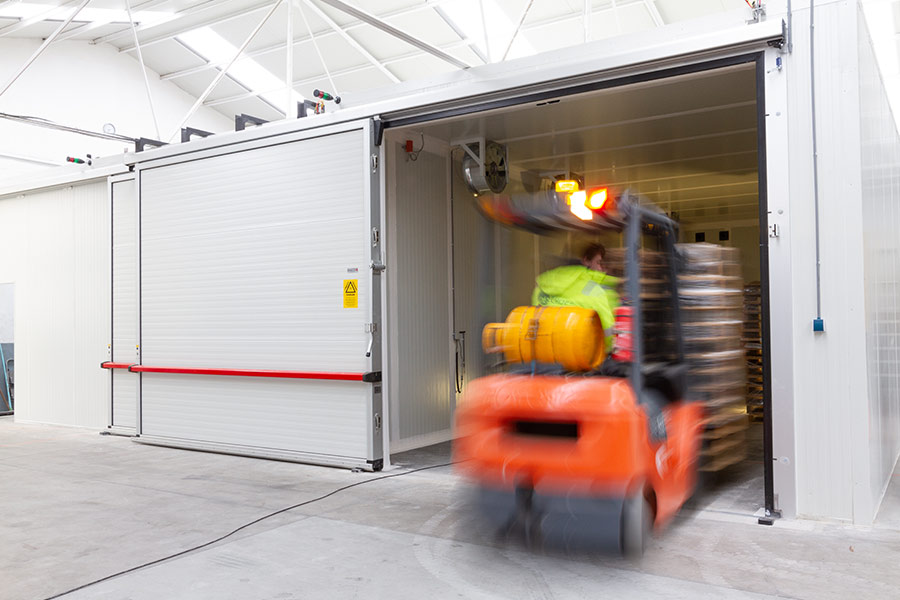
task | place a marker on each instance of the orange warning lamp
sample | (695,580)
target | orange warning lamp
(584,204)
(578,206)
(566,186)
(598,198)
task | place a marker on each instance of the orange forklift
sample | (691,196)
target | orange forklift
(580,446)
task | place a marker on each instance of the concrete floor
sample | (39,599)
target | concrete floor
(78,507)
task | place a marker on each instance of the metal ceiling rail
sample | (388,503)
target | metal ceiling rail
(35,19)
(397,33)
(627,122)
(754,182)
(677,160)
(337,29)
(637,182)
(691,138)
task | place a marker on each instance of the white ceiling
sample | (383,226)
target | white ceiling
(336,48)
(332,48)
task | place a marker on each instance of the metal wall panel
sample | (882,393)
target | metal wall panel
(243,259)
(475,288)
(881,244)
(124,302)
(419,246)
(829,381)
(57,254)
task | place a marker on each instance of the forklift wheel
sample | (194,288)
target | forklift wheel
(637,525)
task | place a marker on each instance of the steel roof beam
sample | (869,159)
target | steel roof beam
(249,93)
(224,72)
(43,47)
(397,33)
(521,20)
(462,36)
(88,27)
(338,73)
(654,12)
(302,40)
(24,23)
(577,15)
(187,12)
(337,28)
(161,38)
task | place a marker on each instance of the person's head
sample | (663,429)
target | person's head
(592,257)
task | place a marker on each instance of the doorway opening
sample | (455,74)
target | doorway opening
(689,141)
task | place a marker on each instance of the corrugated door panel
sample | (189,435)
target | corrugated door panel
(318,417)
(420,386)
(124,301)
(243,260)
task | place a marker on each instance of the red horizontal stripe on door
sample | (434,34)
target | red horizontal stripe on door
(249,373)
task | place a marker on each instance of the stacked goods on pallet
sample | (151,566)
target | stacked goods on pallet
(752,338)
(710,290)
(659,340)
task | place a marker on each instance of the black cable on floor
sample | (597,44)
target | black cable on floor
(244,526)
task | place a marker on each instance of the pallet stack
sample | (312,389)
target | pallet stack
(655,300)
(711,300)
(752,338)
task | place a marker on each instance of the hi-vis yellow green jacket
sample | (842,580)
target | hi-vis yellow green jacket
(576,285)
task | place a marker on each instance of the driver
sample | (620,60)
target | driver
(585,285)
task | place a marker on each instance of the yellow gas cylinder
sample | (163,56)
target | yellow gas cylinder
(567,335)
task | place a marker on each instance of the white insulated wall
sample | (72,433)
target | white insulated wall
(56,251)
(820,380)
(418,299)
(881,245)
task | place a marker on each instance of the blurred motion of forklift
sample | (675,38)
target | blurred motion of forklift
(584,447)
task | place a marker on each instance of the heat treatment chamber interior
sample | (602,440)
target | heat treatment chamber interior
(686,140)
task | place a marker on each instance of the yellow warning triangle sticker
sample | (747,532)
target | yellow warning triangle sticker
(350,288)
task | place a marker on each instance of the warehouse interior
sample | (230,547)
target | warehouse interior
(685,143)
(91,88)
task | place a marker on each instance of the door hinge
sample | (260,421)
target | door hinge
(774,230)
(376,237)
(374,162)
(377,421)
(377,266)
